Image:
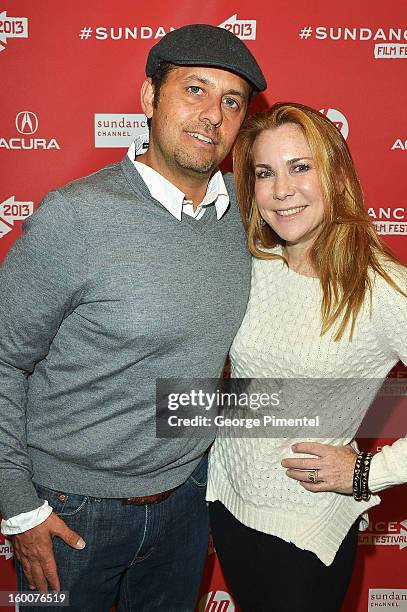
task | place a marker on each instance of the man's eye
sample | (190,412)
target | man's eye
(194,89)
(231,102)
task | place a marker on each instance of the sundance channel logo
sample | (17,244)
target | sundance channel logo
(113,130)
(388,598)
(26,137)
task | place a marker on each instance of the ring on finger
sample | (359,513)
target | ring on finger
(313,476)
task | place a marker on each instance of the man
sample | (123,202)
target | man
(137,272)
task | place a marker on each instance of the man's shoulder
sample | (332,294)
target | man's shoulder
(89,187)
(85,198)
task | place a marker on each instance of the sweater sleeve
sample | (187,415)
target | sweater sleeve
(39,283)
(389,466)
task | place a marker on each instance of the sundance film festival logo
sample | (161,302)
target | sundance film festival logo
(12,210)
(388,598)
(393,43)
(6,550)
(383,533)
(113,130)
(12,27)
(242,28)
(216,601)
(390,51)
(26,124)
(389,221)
(337,119)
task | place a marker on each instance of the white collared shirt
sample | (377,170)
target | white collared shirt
(170,196)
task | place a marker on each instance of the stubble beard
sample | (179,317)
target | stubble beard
(193,163)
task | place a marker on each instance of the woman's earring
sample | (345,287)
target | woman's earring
(262,222)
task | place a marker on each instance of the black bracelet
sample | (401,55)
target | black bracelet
(357,477)
(364,480)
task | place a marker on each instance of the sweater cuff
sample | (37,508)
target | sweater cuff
(18,496)
(381,475)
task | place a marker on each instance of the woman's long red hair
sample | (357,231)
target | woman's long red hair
(347,247)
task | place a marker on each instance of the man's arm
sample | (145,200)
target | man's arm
(40,283)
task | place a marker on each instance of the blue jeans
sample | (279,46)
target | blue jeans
(146,558)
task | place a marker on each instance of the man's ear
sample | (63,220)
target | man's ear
(147,98)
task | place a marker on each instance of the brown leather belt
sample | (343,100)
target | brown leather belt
(146,499)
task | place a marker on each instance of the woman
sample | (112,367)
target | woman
(328,301)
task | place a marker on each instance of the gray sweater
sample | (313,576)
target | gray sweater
(105,292)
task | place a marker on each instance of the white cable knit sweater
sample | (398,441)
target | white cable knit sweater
(280,337)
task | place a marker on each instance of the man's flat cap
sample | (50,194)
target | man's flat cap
(201,44)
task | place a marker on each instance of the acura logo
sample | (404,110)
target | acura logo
(27,122)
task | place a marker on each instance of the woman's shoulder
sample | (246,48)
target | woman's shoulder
(389,296)
(392,278)
(269,259)
(389,308)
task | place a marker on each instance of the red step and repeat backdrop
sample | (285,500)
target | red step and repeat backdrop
(70,76)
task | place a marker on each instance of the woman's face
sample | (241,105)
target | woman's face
(287,188)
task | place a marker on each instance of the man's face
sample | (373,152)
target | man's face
(196,119)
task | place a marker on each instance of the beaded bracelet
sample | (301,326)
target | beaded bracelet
(357,477)
(364,479)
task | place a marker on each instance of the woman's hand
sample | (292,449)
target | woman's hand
(335,465)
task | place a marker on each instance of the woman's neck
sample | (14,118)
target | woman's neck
(297,256)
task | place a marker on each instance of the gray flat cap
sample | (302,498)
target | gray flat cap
(201,44)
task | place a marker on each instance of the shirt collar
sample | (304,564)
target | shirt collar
(167,194)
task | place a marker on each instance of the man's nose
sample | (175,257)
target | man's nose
(212,112)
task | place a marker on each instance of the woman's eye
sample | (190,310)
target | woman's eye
(194,89)
(301,168)
(260,174)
